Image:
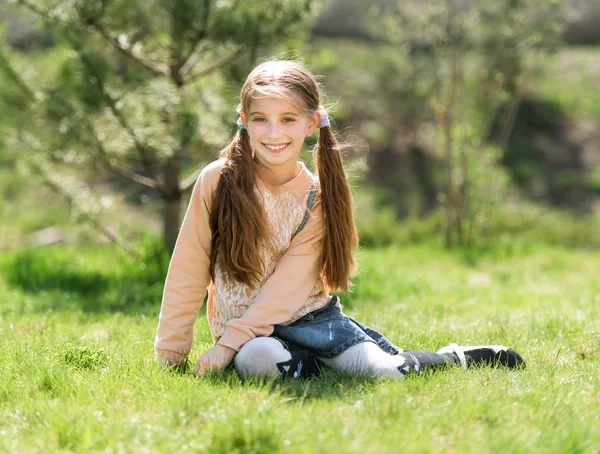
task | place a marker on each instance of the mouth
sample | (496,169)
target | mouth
(276,148)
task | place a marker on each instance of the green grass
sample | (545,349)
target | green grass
(78,374)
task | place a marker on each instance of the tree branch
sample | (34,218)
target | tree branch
(200,35)
(95,223)
(122,172)
(101,153)
(189,181)
(142,149)
(218,65)
(14,76)
(155,68)
(194,58)
(49,16)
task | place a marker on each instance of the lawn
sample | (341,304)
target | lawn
(78,373)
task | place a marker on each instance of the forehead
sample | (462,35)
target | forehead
(274,106)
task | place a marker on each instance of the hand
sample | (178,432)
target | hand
(169,359)
(217,358)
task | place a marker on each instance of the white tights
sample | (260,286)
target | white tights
(261,356)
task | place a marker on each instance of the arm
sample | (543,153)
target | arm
(285,291)
(188,276)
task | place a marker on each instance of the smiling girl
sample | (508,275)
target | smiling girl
(268,241)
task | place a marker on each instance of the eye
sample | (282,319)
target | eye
(258,119)
(288,119)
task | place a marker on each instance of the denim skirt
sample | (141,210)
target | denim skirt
(327,332)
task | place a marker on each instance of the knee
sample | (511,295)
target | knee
(368,358)
(260,356)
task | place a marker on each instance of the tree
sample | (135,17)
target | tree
(142,88)
(466,62)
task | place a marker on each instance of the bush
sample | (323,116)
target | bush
(103,278)
(35,270)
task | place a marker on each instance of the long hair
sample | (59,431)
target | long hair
(340,239)
(237,219)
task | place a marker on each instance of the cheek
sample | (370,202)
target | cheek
(301,130)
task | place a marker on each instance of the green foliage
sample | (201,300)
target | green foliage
(376,224)
(545,159)
(378,229)
(112,281)
(82,357)
(511,230)
(154,259)
(137,88)
(449,73)
(567,78)
(75,79)
(187,125)
(594,181)
(36,269)
(531,224)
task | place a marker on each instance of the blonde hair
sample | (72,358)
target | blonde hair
(237,217)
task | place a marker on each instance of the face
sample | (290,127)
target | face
(277,129)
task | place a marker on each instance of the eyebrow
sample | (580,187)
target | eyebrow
(286,113)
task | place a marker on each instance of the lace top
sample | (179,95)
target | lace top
(291,284)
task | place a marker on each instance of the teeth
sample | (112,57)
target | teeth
(275,148)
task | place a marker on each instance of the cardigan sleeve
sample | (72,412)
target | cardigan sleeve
(188,276)
(285,291)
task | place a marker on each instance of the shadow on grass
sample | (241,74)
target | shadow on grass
(329,385)
(91,280)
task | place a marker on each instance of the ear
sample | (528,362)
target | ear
(313,122)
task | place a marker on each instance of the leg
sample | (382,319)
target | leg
(384,343)
(370,358)
(268,357)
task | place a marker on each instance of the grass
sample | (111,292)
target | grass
(78,373)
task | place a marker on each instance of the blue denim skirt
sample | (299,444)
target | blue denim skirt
(328,332)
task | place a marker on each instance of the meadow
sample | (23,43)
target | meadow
(78,319)
(78,373)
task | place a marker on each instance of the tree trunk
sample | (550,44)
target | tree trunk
(172,200)
(452,221)
(171,222)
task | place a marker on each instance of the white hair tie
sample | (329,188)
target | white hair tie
(324,117)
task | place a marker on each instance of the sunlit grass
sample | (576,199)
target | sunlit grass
(543,301)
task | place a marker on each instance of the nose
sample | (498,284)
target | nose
(273,130)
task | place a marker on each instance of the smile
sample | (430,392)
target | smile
(276,147)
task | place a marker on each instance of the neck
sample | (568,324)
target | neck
(278,176)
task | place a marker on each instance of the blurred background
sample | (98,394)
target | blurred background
(468,124)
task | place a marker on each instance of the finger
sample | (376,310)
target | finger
(202,365)
(198,369)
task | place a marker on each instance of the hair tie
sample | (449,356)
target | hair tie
(324,117)
(240,123)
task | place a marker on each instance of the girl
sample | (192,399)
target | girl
(268,241)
